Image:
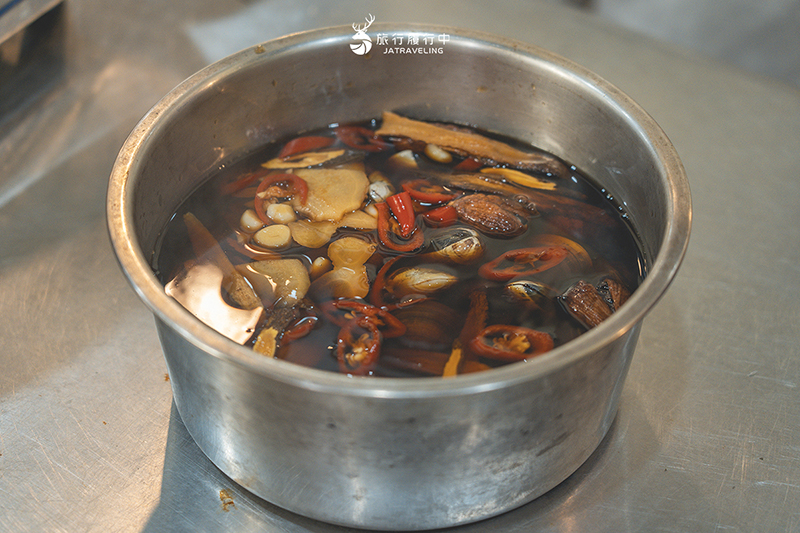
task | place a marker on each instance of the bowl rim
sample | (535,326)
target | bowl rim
(137,270)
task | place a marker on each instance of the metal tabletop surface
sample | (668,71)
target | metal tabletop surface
(707,437)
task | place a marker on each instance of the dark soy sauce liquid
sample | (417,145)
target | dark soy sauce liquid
(611,243)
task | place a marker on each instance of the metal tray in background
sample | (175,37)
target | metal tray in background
(15,15)
(706,438)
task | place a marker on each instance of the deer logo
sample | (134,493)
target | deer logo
(364,44)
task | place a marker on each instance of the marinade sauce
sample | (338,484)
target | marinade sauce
(400,248)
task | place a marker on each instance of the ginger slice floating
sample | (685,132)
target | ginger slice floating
(282,282)
(312,234)
(358,220)
(471,143)
(349,278)
(332,193)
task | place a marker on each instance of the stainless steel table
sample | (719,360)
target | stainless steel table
(708,433)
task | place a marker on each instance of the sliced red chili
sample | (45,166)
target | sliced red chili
(359,354)
(243,182)
(385,233)
(300,329)
(361,138)
(394,328)
(402,207)
(329,310)
(469,164)
(296,183)
(441,216)
(376,291)
(356,306)
(510,343)
(523,262)
(304,144)
(427,193)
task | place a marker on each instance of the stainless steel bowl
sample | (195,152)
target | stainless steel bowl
(396,453)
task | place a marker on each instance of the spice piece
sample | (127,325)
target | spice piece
(591,305)
(470,143)
(584,303)
(491,214)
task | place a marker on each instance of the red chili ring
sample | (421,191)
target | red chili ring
(402,207)
(414,188)
(441,216)
(298,185)
(384,234)
(300,329)
(304,144)
(540,342)
(345,340)
(361,138)
(539,259)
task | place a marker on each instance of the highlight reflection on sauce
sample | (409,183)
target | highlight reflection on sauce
(199,290)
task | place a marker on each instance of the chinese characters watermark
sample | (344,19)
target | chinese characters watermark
(397,43)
